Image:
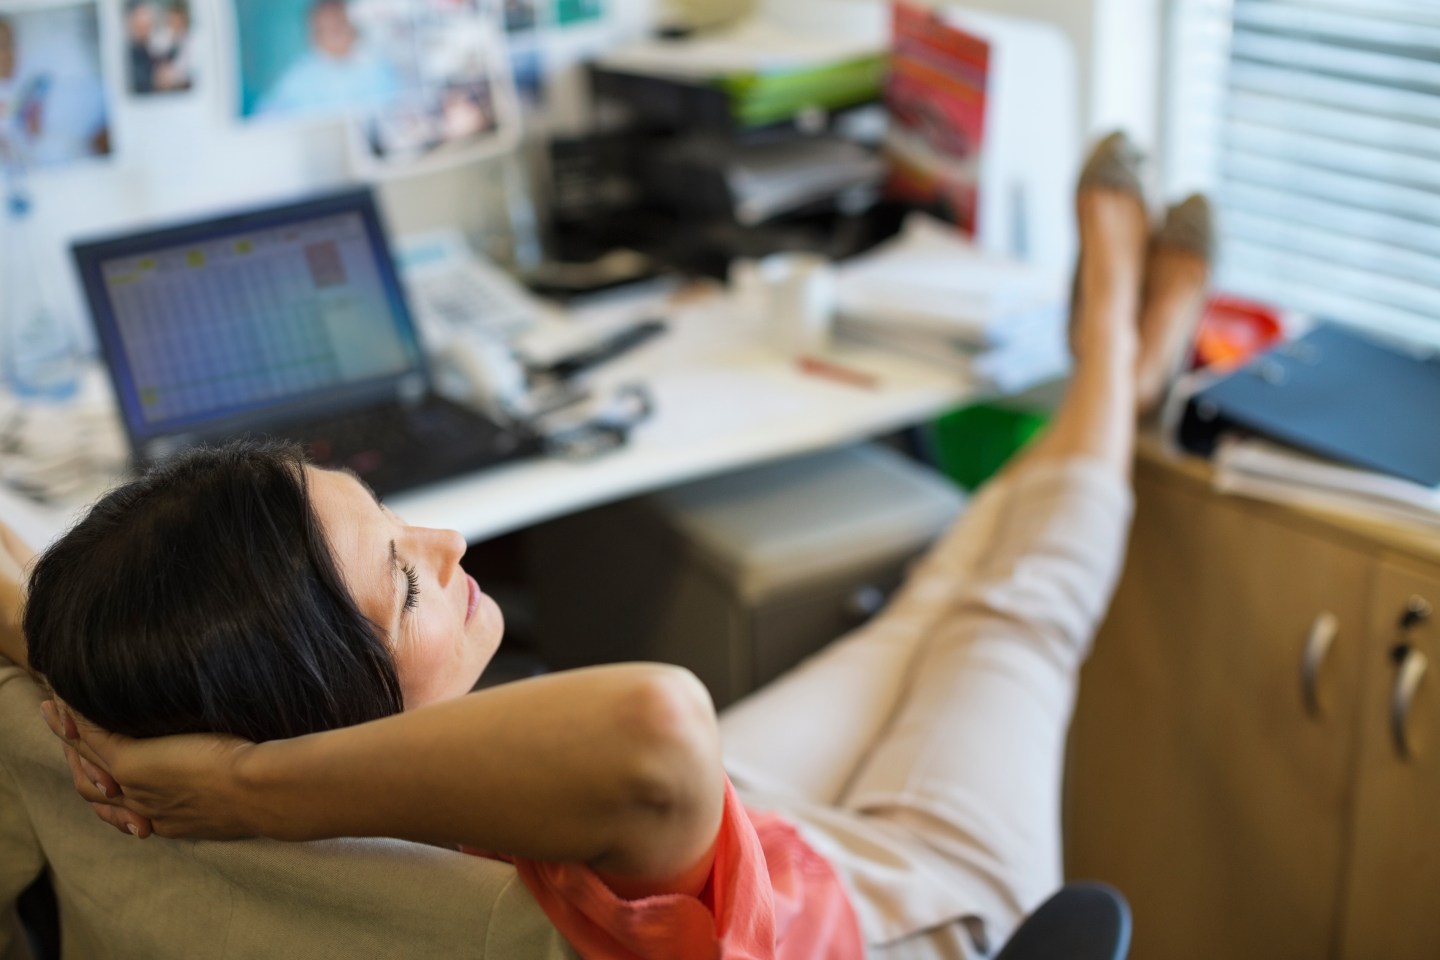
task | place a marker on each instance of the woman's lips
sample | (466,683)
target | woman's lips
(474,598)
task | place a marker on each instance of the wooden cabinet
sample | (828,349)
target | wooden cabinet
(1392,903)
(1233,766)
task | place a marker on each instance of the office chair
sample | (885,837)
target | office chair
(40,918)
(1083,921)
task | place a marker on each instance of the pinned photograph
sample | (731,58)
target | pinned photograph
(315,58)
(159,47)
(455,98)
(521,15)
(52,95)
(422,80)
(568,12)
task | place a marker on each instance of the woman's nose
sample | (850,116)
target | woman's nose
(447,547)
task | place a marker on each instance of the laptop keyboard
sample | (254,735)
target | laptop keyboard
(395,447)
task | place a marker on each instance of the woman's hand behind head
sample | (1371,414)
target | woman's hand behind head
(182,786)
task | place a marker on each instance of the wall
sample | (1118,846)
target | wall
(181,156)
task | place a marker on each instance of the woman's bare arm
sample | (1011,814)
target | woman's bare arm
(617,767)
(15,559)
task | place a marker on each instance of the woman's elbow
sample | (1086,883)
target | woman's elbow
(670,727)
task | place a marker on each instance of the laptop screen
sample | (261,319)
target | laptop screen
(242,316)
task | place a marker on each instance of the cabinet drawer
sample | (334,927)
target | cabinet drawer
(787,628)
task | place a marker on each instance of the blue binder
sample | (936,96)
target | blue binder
(1334,393)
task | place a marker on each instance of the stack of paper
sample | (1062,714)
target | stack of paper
(770,179)
(931,294)
(1266,471)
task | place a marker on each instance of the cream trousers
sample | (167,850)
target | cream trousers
(923,753)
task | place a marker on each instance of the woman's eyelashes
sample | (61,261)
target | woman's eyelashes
(412,588)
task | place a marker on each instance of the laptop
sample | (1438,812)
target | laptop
(286,323)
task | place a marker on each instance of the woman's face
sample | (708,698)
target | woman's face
(441,628)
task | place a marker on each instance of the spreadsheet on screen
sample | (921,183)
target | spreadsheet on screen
(254,318)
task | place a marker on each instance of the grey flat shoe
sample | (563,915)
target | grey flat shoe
(1115,163)
(1190,226)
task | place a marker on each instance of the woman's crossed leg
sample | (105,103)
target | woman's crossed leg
(944,720)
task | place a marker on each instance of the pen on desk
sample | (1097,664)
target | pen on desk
(816,367)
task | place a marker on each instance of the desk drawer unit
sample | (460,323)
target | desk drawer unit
(740,577)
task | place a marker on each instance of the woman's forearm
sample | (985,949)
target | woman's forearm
(15,558)
(617,766)
(12,641)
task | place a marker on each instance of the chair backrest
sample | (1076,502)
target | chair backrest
(126,898)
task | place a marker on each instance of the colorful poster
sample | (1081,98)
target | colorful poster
(52,95)
(159,46)
(936,95)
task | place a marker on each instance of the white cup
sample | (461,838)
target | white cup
(794,296)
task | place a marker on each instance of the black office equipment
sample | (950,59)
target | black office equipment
(1334,393)
(287,322)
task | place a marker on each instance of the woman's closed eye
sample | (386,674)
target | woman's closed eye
(412,586)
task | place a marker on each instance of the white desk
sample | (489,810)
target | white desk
(723,401)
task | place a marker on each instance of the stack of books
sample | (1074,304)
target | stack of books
(1336,420)
(764,73)
(933,295)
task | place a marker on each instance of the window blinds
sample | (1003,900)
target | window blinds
(1316,126)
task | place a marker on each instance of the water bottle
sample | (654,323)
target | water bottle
(39,357)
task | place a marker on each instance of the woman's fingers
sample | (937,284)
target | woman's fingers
(126,821)
(84,786)
(94,784)
(52,718)
(85,771)
(102,780)
(92,743)
(110,815)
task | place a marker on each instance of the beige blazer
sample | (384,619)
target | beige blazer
(153,899)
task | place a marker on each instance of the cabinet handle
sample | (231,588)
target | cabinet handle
(1317,648)
(1417,611)
(1412,667)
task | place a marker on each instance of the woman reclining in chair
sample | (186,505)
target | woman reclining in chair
(895,795)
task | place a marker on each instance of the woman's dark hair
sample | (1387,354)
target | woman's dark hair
(203,597)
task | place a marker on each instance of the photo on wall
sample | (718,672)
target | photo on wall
(316,59)
(456,99)
(159,46)
(422,80)
(53,110)
(521,15)
(569,12)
